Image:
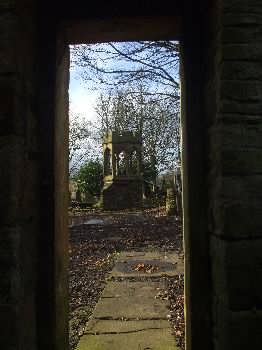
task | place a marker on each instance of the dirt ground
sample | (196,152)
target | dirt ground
(94,246)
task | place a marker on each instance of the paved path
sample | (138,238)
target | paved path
(128,316)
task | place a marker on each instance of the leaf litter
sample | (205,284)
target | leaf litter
(93,250)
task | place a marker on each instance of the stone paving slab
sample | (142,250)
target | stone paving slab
(131,300)
(128,288)
(96,326)
(130,335)
(167,264)
(128,315)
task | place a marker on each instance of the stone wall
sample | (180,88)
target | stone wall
(19,152)
(222,55)
(221,52)
(33,177)
(234,101)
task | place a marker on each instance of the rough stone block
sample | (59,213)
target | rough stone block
(235,272)
(242,6)
(240,96)
(248,91)
(244,330)
(242,21)
(242,161)
(9,261)
(9,244)
(7,5)
(9,285)
(237,134)
(238,35)
(9,326)
(240,188)
(248,120)
(17,116)
(12,177)
(236,207)
(122,195)
(7,106)
(8,32)
(242,108)
(236,329)
(242,70)
(242,220)
(242,52)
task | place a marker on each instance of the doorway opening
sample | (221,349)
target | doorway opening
(125,213)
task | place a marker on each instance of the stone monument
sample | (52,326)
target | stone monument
(122,171)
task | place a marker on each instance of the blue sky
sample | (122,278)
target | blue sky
(82,97)
(82,100)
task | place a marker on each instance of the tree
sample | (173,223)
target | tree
(141,92)
(79,131)
(156,63)
(154,120)
(83,142)
(89,177)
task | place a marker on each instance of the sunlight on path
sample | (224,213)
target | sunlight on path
(129,315)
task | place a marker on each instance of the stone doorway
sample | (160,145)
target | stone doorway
(75,33)
(36,171)
(221,102)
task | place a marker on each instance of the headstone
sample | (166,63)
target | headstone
(170,202)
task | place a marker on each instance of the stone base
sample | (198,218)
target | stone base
(124,194)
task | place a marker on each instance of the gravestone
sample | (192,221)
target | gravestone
(170,202)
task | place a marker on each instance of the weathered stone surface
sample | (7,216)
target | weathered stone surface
(222,50)
(123,194)
(239,329)
(242,70)
(239,90)
(129,315)
(235,175)
(174,265)
(7,4)
(239,21)
(8,33)
(242,108)
(234,199)
(236,7)
(96,326)
(110,335)
(10,329)
(237,273)
(242,52)
(242,161)
(243,135)
(170,202)
(239,35)
(133,300)
(122,171)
